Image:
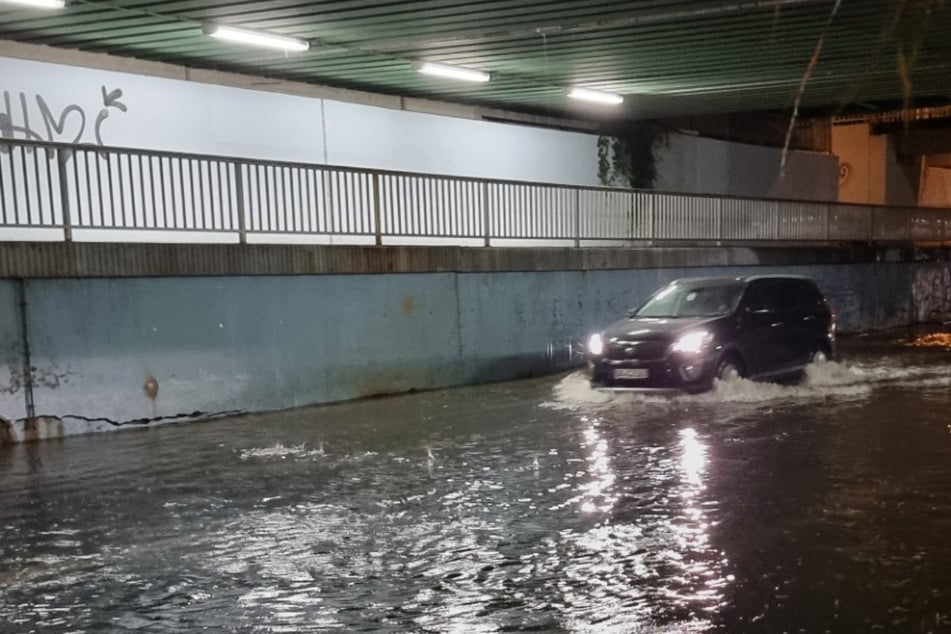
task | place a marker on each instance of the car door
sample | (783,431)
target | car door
(805,320)
(762,333)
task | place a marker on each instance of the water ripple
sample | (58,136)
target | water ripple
(532,506)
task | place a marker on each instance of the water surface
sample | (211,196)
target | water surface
(533,505)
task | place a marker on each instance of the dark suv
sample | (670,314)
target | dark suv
(693,331)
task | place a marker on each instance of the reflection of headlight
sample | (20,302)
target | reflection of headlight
(595,345)
(693,342)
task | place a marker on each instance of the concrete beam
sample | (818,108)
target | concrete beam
(924,141)
(35,260)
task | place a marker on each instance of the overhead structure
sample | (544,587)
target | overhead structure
(256,38)
(661,58)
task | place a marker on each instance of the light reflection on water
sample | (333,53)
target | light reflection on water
(485,533)
(596,495)
(532,505)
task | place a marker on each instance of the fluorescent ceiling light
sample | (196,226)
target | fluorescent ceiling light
(452,72)
(255,38)
(39,4)
(597,96)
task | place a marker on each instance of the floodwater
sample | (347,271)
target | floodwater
(534,505)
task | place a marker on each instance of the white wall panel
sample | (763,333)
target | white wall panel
(367,136)
(58,103)
(49,102)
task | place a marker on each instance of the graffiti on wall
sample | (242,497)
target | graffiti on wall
(931,293)
(30,117)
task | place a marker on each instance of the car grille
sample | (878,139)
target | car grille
(640,350)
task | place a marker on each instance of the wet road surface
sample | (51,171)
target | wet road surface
(533,505)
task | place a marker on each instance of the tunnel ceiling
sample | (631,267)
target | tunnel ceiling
(668,58)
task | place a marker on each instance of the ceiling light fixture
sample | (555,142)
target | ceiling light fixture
(452,72)
(39,4)
(597,96)
(255,38)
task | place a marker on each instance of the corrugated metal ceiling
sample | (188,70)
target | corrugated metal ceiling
(668,57)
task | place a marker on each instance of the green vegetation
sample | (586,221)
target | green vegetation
(627,154)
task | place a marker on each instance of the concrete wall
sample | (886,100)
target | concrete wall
(901,181)
(709,166)
(53,102)
(936,181)
(935,187)
(859,160)
(137,351)
(869,168)
(156,113)
(12,370)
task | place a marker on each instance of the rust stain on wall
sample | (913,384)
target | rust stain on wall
(54,427)
(150,387)
(8,434)
(30,430)
(409,305)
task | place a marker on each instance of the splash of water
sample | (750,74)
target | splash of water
(825,380)
(281,452)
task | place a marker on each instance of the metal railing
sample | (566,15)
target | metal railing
(80,191)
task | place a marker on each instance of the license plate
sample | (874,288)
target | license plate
(630,373)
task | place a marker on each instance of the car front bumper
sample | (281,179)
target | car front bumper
(674,373)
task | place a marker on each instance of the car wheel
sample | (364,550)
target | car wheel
(728,369)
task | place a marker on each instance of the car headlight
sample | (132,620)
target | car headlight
(693,342)
(595,345)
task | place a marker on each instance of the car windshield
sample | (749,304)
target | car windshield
(692,301)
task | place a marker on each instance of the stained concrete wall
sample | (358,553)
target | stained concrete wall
(217,344)
(138,351)
(12,370)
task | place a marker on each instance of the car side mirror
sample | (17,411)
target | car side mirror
(631,313)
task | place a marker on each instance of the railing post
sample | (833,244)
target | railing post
(632,218)
(61,158)
(653,216)
(486,218)
(720,237)
(577,218)
(775,224)
(27,357)
(828,221)
(377,222)
(239,200)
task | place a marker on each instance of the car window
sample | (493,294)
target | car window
(781,294)
(756,299)
(799,293)
(805,293)
(692,301)
(767,295)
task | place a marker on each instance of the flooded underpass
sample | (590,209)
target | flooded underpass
(533,505)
